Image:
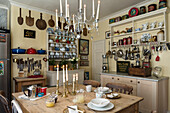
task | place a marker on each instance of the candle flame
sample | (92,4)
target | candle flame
(98,1)
(56,10)
(84,5)
(57,66)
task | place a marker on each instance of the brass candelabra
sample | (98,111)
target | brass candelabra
(73,91)
(64,90)
(57,88)
(67,91)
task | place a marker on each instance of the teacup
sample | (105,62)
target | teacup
(160,24)
(88,88)
(51,53)
(51,41)
(99,94)
(52,45)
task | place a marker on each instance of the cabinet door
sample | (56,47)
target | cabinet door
(106,79)
(147,90)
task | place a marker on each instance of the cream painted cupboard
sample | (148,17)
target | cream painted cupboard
(154,91)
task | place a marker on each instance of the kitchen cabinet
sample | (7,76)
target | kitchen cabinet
(154,91)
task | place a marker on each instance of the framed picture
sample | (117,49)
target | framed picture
(83,47)
(107,34)
(83,57)
(29,33)
(86,75)
(84,63)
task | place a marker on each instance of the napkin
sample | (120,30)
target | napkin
(71,110)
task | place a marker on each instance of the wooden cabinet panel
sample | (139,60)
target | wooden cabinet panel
(155,93)
(106,79)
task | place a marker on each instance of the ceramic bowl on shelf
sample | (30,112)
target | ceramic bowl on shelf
(67,46)
(61,45)
(74,46)
(70,54)
(57,53)
(74,54)
(66,53)
(62,49)
(50,41)
(51,53)
(57,45)
(70,46)
(51,45)
(72,42)
(73,50)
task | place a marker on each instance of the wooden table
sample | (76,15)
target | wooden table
(19,82)
(126,104)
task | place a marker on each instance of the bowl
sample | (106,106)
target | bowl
(100,102)
(103,89)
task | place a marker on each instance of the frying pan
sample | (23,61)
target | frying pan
(20,19)
(40,23)
(51,22)
(29,19)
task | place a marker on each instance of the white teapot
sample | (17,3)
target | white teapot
(160,24)
(153,25)
(145,26)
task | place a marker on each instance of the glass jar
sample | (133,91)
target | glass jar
(50,102)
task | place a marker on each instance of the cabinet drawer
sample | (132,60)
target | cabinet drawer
(129,80)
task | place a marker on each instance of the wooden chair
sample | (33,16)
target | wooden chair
(92,82)
(5,104)
(119,87)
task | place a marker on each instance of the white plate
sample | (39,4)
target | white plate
(106,108)
(100,102)
(109,91)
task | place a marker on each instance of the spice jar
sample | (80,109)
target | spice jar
(160,36)
(129,40)
(124,41)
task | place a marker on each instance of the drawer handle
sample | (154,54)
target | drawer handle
(118,79)
(131,81)
(138,82)
(112,77)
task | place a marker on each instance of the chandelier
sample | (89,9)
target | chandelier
(77,22)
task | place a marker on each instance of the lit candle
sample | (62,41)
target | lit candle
(77,76)
(61,8)
(74,77)
(84,12)
(66,73)
(68,11)
(64,79)
(56,18)
(80,5)
(93,12)
(57,72)
(74,25)
(66,7)
(98,8)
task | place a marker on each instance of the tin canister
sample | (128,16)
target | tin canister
(124,41)
(152,7)
(121,42)
(162,4)
(142,10)
(129,40)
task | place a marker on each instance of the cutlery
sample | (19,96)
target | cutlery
(75,109)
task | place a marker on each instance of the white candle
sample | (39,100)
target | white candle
(68,10)
(80,5)
(57,72)
(77,76)
(64,79)
(84,12)
(56,18)
(66,73)
(61,7)
(93,11)
(66,7)
(74,77)
(74,23)
(98,8)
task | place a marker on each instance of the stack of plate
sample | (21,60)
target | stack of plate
(103,90)
(100,104)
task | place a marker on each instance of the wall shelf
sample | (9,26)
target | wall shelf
(30,55)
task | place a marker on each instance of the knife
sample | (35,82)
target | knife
(75,109)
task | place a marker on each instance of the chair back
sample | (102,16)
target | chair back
(121,88)
(92,82)
(16,107)
(5,104)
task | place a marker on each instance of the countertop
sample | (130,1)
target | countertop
(151,78)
